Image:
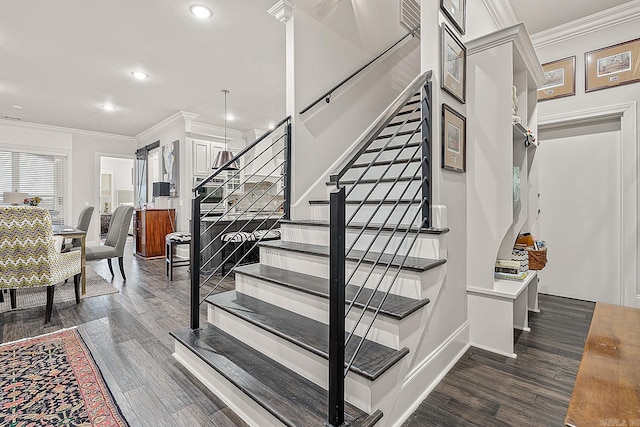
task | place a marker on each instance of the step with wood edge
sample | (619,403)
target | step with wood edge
(370,202)
(411,263)
(395,306)
(370,227)
(373,359)
(289,397)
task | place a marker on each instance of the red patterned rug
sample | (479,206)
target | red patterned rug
(53,380)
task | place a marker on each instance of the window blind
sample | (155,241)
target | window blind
(41,175)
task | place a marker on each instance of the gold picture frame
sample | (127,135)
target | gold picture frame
(612,66)
(560,79)
(453,64)
(454,140)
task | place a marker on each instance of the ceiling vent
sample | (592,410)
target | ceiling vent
(410,14)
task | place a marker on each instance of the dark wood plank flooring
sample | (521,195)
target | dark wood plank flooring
(486,389)
(128,335)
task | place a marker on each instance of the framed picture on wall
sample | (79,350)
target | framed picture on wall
(454,64)
(455,11)
(612,66)
(560,78)
(454,140)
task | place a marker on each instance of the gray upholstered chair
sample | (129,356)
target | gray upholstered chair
(83,224)
(116,238)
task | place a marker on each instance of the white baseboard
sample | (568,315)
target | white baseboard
(430,372)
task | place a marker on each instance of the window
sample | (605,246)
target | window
(41,175)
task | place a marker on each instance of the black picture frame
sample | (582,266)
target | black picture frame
(456,15)
(453,70)
(454,140)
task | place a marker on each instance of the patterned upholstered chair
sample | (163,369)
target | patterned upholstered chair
(116,238)
(30,255)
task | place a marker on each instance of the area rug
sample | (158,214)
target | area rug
(52,380)
(37,297)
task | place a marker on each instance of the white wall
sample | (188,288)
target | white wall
(323,49)
(628,94)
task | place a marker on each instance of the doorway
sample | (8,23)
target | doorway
(581,210)
(116,188)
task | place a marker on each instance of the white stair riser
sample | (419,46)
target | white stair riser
(385,190)
(407,283)
(364,214)
(426,246)
(384,154)
(358,390)
(384,171)
(385,330)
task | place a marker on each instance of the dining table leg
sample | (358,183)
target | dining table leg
(83,264)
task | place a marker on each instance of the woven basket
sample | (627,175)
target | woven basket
(537,259)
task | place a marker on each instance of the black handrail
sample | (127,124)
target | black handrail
(394,247)
(327,95)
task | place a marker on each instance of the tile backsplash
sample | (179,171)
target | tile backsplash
(262,194)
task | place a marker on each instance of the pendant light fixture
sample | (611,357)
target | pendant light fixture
(224,156)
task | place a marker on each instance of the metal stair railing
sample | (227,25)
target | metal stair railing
(262,209)
(393,233)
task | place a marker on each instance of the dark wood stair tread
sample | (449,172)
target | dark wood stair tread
(395,306)
(387,162)
(371,227)
(373,360)
(398,134)
(411,263)
(392,147)
(375,180)
(371,202)
(294,400)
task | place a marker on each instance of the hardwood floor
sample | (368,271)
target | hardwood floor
(486,389)
(128,335)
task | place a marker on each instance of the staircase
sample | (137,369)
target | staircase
(266,349)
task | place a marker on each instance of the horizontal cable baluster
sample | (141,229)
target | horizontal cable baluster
(241,259)
(242,228)
(387,169)
(238,201)
(392,233)
(375,315)
(372,269)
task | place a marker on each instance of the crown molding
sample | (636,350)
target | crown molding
(282,11)
(501,12)
(517,34)
(61,129)
(180,115)
(589,24)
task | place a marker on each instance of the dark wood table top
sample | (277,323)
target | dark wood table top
(607,389)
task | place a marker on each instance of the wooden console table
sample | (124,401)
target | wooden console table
(151,226)
(607,390)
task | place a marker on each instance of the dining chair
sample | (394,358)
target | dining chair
(83,224)
(116,238)
(30,255)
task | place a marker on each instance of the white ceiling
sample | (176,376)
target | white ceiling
(61,60)
(540,15)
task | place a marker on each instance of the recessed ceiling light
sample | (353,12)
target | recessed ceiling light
(108,107)
(231,117)
(200,11)
(140,75)
(19,107)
